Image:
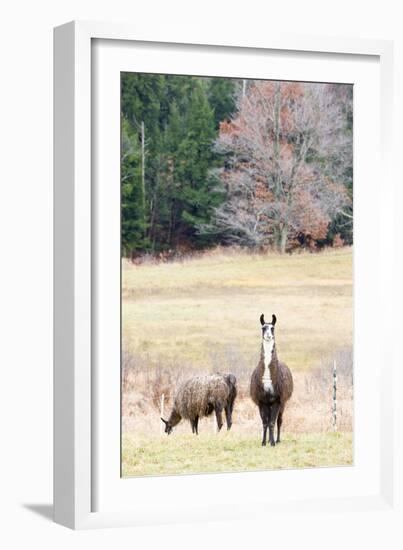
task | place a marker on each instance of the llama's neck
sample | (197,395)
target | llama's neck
(174,417)
(269,358)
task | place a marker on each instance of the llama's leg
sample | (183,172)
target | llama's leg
(197,425)
(218,415)
(228,416)
(264,415)
(193,424)
(279,422)
(272,422)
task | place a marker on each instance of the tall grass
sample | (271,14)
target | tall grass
(145,380)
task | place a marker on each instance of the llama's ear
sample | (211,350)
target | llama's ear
(273,319)
(262,319)
(164,421)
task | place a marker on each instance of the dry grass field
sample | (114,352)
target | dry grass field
(185,308)
(202,315)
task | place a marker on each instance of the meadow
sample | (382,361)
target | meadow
(201,314)
(232,452)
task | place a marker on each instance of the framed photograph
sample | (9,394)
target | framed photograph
(221,276)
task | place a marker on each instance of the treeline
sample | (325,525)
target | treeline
(197,169)
(169,188)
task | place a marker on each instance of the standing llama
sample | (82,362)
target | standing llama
(271,383)
(200,396)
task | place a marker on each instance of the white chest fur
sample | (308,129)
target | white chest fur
(268,347)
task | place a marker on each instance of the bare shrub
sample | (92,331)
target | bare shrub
(311,406)
(231,359)
(145,380)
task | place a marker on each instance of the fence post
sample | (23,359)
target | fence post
(334,396)
(162,413)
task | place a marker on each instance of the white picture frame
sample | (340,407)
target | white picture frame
(78,423)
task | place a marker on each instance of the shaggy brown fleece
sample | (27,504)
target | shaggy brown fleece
(199,395)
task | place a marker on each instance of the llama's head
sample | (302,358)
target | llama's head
(268,328)
(168,426)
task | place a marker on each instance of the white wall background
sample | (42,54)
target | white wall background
(26,259)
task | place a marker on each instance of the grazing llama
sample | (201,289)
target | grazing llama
(271,383)
(200,396)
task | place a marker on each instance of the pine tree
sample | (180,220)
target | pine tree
(177,193)
(221,96)
(195,194)
(134,222)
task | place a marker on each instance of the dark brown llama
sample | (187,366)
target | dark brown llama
(271,383)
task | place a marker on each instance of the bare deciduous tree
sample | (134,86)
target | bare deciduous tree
(286,148)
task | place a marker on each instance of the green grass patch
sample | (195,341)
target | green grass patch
(230,452)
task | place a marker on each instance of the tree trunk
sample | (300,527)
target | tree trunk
(244,87)
(276,144)
(283,239)
(143,166)
(143,176)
